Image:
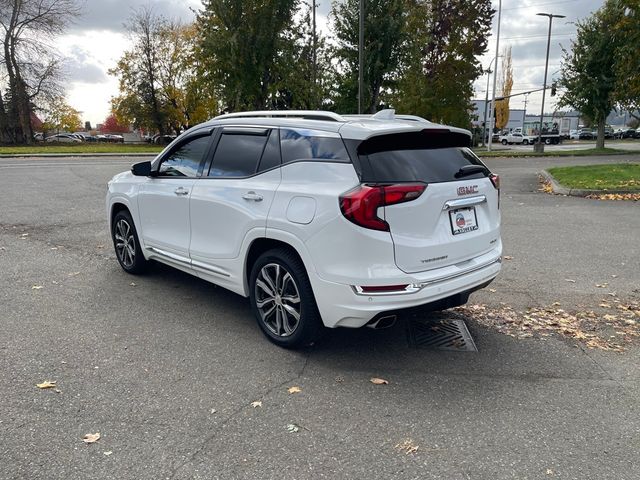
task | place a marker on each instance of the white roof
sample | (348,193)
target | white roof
(357,127)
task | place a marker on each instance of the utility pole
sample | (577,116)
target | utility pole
(486,104)
(495,78)
(314,57)
(539,146)
(526,100)
(361,56)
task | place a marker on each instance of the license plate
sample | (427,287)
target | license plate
(463,220)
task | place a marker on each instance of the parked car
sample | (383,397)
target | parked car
(585,134)
(313,216)
(114,138)
(627,133)
(38,137)
(63,138)
(574,135)
(162,139)
(512,138)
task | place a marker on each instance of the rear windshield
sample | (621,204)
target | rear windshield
(423,165)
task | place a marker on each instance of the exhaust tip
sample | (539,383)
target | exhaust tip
(383,322)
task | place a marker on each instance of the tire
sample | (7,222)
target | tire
(276,311)
(525,142)
(504,142)
(547,141)
(126,243)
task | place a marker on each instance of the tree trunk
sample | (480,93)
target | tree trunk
(600,139)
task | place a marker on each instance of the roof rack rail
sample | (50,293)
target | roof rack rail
(305,114)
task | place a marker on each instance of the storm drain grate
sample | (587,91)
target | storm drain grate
(440,334)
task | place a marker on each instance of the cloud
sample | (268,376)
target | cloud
(113,14)
(79,66)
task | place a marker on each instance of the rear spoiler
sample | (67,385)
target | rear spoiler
(428,138)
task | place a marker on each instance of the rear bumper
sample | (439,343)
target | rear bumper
(341,306)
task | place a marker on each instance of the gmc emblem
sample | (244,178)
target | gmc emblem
(467,190)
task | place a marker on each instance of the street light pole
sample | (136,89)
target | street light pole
(495,78)
(539,146)
(486,104)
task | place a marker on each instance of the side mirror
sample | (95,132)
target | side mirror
(141,169)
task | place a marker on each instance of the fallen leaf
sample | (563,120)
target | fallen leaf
(36,287)
(379,381)
(213,410)
(613,294)
(107,453)
(292,428)
(100,246)
(549,471)
(73,274)
(408,447)
(492,290)
(610,317)
(569,280)
(47,384)
(614,276)
(508,257)
(602,285)
(556,304)
(294,390)
(91,437)
(256,404)
(24,235)
(133,284)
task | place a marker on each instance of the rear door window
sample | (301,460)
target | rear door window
(238,152)
(305,144)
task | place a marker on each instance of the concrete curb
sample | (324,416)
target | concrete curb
(66,155)
(577,192)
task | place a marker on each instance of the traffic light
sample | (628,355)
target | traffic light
(553,89)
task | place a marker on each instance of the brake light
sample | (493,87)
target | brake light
(360,205)
(495,179)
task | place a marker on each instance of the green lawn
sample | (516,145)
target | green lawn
(81,148)
(481,152)
(622,176)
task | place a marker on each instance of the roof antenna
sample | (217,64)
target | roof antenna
(386,114)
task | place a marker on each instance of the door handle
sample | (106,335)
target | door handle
(252,196)
(181,191)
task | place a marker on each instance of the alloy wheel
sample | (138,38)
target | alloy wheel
(277,300)
(125,243)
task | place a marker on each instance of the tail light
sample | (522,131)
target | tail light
(360,205)
(495,179)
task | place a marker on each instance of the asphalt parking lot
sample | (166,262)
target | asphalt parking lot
(166,367)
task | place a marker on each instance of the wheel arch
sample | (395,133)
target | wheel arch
(117,207)
(261,245)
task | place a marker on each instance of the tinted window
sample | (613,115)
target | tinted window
(302,144)
(237,155)
(185,160)
(271,156)
(424,165)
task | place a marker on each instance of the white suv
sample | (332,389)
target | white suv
(320,219)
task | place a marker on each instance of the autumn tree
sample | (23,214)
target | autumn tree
(444,43)
(627,60)
(29,63)
(384,38)
(140,101)
(59,116)
(240,46)
(305,75)
(588,76)
(111,125)
(505,85)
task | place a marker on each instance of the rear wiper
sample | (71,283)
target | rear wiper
(470,170)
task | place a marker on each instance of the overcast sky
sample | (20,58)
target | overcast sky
(97,40)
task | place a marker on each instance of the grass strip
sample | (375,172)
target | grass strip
(621,176)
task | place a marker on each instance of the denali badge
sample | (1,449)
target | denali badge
(467,190)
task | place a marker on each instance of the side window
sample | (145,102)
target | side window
(304,144)
(185,159)
(271,155)
(238,152)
